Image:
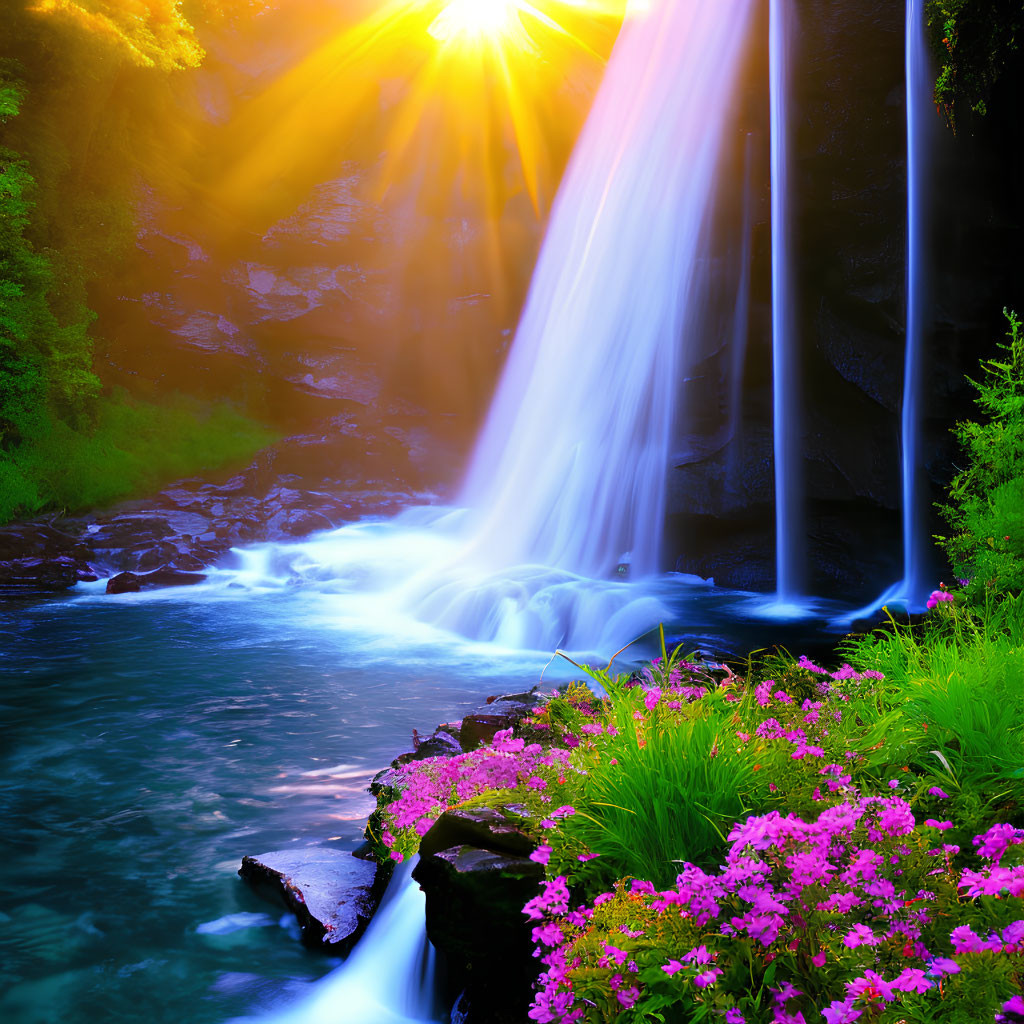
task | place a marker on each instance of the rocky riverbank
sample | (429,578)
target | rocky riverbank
(349,466)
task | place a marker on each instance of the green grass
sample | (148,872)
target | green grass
(961,674)
(649,799)
(130,448)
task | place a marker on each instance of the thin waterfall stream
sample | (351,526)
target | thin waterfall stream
(914,586)
(788,485)
(912,589)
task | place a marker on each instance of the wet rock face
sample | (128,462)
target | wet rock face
(848,196)
(475,898)
(332,893)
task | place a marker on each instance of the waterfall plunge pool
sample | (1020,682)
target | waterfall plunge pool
(152,740)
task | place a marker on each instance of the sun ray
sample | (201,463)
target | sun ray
(469,71)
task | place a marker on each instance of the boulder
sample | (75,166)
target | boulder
(171,577)
(124,583)
(504,712)
(482,827)
(332,893)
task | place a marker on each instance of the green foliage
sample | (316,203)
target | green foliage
(661,786)
(42,360)
(974,41)
(986,507)
(79,116)
(128,448)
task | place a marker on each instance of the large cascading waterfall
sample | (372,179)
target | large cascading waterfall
(914,585)
(789,543)
(569,471)
(568,477)
(567,481)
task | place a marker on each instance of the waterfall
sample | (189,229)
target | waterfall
(911,590)
(789,539)
(565,490)
(914,585)
(741,312)
(388,977)
(569,471)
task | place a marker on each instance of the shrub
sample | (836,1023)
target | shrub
(986,507)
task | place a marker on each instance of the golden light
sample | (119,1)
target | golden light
(479,80)
(475,20)
(478,22)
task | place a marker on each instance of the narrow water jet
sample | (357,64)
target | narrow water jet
(914,585)
(388,978)
(785,379)
(911,591)
(741,312)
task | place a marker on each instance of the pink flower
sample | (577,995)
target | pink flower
(819,959)
(943,965)
(698,955)
(541,855)
(628,996)
(733,1016)
(1014,1006)
(841,1012)
(912,980)
(672,967)
(615,955)
(860,935)
(707,978)
(547,934)
(935,791)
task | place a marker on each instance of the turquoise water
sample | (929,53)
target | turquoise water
(146,747)
(150,741)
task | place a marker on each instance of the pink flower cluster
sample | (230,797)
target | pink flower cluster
(847,886)
(431,786)
(937,597)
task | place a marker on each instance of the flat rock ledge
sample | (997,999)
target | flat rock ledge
(332,893)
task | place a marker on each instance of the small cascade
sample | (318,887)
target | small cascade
(388,979)
(789,539)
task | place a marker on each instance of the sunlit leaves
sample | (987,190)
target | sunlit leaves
(151,33)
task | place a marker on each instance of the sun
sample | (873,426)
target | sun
(490,92)
(474,20)
(477,22)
